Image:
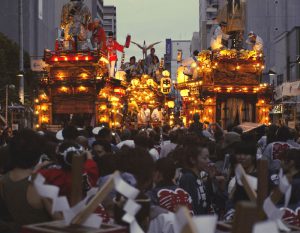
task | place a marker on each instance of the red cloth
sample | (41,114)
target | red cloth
(63,179)
(112,47)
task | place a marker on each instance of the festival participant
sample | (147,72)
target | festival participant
(156,114)
(196,159)
(245,154)
(98,35)
(19,201)
(291,167)
(219,39)
(150,59)
(112,47)
(68,133)
(105,134)
(144,115)
(255,42)
(269,137)
(169,146)
(132,68)
(154,66)
(100,148)
(196,127)
(166,193)
(274,150)
(83,141)
(60,173)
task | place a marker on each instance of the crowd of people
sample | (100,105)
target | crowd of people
(171,167)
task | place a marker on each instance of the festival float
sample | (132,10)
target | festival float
(144,90)
(225,87)
(223,84)
(76,85)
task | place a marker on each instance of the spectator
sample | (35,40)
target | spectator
(60,173)
(245,154)
(274,150)
(291,166)
(196,127)
(100,148)
(19,201)
(196,161)
(166,194)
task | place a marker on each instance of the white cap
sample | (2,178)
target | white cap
(59,135)
(96,130)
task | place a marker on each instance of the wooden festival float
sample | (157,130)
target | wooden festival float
(145,90)
(71,87)
(224,86)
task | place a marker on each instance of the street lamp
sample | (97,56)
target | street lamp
(7,88)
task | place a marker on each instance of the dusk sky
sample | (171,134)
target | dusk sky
(155,20)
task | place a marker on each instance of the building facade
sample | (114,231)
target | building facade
(172,49)
(41,21)
(208,11)
(110,19)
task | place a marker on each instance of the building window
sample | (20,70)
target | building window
(279,79)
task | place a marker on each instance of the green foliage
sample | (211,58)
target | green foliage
(9,68)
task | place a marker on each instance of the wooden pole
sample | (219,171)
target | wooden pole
(262,186)
(245,217)
(77,182)
(97,199)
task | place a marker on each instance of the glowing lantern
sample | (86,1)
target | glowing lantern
(165,85)
(44,107)
(36,112)
(76,58)
(66,59)
(36,101)
(103,59)
(83,75)
(64,89)
(184,92)
(45,119)
(82,88)
(171,104)
(114,99)
(150,82)
(55,59)
(181,78)
(86,58)
(194,65)
(103,107)
(37,126)
(135,82)
(120,75)
(166,73)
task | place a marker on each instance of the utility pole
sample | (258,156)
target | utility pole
(6,104)
(21,44)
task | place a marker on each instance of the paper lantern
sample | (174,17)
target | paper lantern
(184,92)
(171,104)
(135,82)
(120,75)
(166,73)
(181,77)
(165,85)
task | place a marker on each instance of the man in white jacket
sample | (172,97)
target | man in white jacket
(256,42)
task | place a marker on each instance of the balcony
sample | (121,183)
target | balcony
(212,9)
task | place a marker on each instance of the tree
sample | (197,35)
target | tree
(9,68)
